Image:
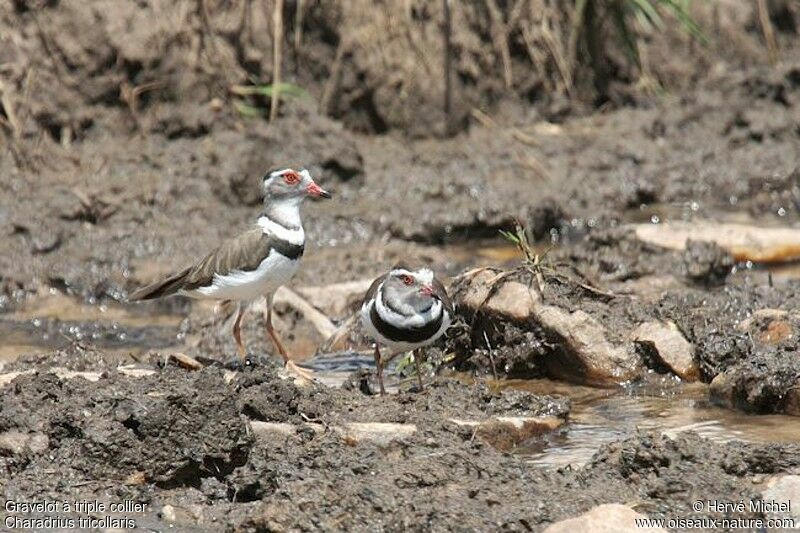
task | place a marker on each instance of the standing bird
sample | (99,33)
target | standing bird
(256,262)
(405,310)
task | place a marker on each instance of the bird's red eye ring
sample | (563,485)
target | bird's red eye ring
(405,278)
(291,178)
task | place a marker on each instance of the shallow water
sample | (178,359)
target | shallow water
(54,321)
(603,417)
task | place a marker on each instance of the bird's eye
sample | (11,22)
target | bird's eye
(405,278)
(291,178)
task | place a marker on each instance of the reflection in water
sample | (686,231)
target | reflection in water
(55,321)
(596,420)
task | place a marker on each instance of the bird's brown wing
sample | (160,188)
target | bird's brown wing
(370,294)
(441,293)
(244,252)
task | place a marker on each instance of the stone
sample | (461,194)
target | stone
(380,433)
(780,491)
(266,429)
(284,295)
(606,518)
(589,356)
(507,432)
(586,354)
(669,346)
(511,300)
(185,361)
(336,299)
(17,443)
(744,242)
(7,378)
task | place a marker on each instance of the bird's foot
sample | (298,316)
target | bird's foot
(305,375)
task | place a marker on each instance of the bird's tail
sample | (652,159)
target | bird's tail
(159,289)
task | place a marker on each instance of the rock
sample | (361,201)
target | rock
(5,379)
(135,371)
(707,263)
(184,361)
(670,347)
(610,518)
(583,351)
(721,391)
(775,332)
(65,373)
(742,241)
(507,432)
(780,496)
(321,323)
(760,314)
(754,388)
(267,429)
(17,443)
(380,433)
(791,404)
(512,300)
(322,326)
(336,300)
(587,354)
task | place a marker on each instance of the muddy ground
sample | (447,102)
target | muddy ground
(127,154)
(195,461)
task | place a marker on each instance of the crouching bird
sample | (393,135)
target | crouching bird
(405,310)
(256,262)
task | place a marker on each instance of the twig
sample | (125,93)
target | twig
(574,33)
(299,14)
(500,37)
(489,122)
(491,355)
(561,64)
(332,85)
(769,32)
(130,95)
(8,108)
(448,87)
(277,30)
(208,32)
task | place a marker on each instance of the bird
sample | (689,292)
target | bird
(256,262)
(405,310)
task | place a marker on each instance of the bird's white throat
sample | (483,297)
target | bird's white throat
(282,220)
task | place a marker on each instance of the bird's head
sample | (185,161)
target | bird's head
(291,185)
(410,287)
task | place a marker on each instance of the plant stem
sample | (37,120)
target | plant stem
(277,30)
(447,83)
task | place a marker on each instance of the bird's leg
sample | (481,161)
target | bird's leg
(287,363)
(417,354)
(379,368)
(237,332)
(271,331)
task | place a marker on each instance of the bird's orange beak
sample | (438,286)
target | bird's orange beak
(316,191)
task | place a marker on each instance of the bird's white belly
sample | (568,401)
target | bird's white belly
(274,271)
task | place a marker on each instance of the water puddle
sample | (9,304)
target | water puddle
(601,417)
(56,320)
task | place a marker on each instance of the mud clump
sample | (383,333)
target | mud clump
(707,263)
(161,426)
